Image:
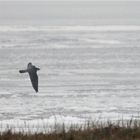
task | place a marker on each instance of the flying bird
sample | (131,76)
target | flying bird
(32,70)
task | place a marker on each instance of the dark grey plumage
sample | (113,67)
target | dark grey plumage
(32,70)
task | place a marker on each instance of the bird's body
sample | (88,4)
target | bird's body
(32,70)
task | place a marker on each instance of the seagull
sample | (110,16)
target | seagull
(32,71)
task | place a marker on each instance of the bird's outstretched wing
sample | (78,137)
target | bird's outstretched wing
(34,80)
(22,71)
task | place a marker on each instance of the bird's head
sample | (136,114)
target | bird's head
(29,65)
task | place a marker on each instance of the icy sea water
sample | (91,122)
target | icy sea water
(86,73)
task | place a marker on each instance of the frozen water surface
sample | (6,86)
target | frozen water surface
(86,73)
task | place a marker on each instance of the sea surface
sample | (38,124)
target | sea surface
(86,73)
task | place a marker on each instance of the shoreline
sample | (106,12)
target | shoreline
(95,130)
(57,124)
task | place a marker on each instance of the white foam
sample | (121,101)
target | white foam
(103,41)
(41,125)
(3,92)
(70,28)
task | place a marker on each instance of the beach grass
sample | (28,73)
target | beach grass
(116,130)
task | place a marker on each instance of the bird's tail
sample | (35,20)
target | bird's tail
(22,71)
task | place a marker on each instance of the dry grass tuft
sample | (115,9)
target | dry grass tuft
(122,130)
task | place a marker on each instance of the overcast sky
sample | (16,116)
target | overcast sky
(70,13)
(69,0)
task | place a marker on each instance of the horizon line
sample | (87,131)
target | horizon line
(69,0)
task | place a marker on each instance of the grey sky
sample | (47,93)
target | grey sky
(69,0)
(70,13)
